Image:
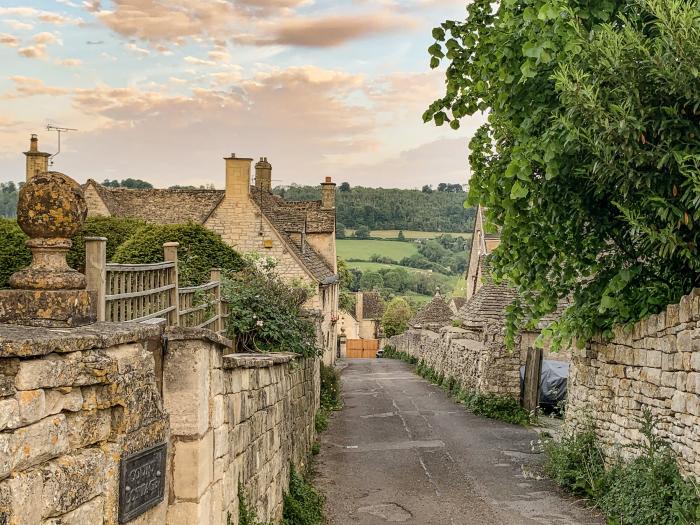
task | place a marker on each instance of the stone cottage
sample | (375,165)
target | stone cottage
(365,322)
(299,235)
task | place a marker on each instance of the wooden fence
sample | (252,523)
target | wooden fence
(138,292)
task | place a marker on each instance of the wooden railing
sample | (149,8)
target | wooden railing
(138,292)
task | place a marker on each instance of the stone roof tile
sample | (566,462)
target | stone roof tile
(436,312)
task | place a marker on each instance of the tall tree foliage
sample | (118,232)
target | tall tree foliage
(590,160)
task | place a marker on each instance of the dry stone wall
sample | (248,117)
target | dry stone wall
(235,418)
(73,402)
(478,361)
(655,365)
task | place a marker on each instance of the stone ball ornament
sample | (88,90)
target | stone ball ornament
(51,209)
(51,205)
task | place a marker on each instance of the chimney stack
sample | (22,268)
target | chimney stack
(37,161)
(328,194)
(263,175)
(237,177)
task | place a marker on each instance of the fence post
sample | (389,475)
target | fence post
(170,255)
(533,371)
(215,276)
(96,270)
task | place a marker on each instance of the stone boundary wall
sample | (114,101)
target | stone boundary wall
(234,418)
(478,361)
(655,365)
(73,402)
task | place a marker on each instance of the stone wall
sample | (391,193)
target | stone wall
(479,361)
(73,402)
(234,418)
(655,365)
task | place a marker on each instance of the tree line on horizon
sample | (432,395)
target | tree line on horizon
(440,210)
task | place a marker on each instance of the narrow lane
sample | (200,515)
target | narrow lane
(402,451)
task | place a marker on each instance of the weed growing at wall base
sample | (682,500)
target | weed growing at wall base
(646,490)
(391,353)
(503,408)
(303,504)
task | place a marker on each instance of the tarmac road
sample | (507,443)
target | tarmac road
(402,451)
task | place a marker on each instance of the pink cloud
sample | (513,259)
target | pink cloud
(31,87)
(330,31)
(9,40)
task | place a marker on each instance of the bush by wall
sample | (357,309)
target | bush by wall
(200,250)
(646,490)
(14,255)
(117,230)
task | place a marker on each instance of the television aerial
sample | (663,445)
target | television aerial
(58,131)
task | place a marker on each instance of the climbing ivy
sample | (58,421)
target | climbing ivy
(589,162)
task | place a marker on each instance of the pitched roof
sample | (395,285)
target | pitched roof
(299,217)
(487,305)
(295,216)
(458,301)
(436,312)
(176,206)
(372,305)
(159,206)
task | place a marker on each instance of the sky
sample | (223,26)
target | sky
(162,90)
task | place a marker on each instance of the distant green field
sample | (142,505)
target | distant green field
(409,234)
(457,282)
(364,249)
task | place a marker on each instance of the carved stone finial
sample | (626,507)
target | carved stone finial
(51,209)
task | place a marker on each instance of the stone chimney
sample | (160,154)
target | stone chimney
(37,161)
(237,177)
(359,305)
(328,194)
(263,175)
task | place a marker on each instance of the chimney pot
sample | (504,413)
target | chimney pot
(263,175)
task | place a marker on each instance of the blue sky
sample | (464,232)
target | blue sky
(163,89)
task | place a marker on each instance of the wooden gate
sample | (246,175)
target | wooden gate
(366,348)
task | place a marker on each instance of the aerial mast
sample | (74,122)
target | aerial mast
(58,130)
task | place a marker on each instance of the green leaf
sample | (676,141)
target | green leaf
(518,191)
(439,33)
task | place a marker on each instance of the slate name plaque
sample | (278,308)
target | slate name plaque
(141,482)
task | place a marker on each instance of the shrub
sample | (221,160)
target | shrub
(200,250)
(646,490)
(396,316)
(303,505)
(330,388)
(14,255)
(265,313)
(117,230)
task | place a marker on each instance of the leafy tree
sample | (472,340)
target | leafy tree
(134,184)
(396,316)
(344,187)
(9,193)
(362,232)
(340,230)
(401,236)
(589,162)
(427,189)
(371,281)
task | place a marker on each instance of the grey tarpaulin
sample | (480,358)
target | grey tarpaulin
(552,382)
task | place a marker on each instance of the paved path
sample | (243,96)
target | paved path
(402,451)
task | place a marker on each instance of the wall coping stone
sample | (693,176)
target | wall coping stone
(245,360)
(25,341)
(177,333)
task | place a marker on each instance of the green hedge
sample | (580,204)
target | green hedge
(14,255)
(200,250)
(116,229)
